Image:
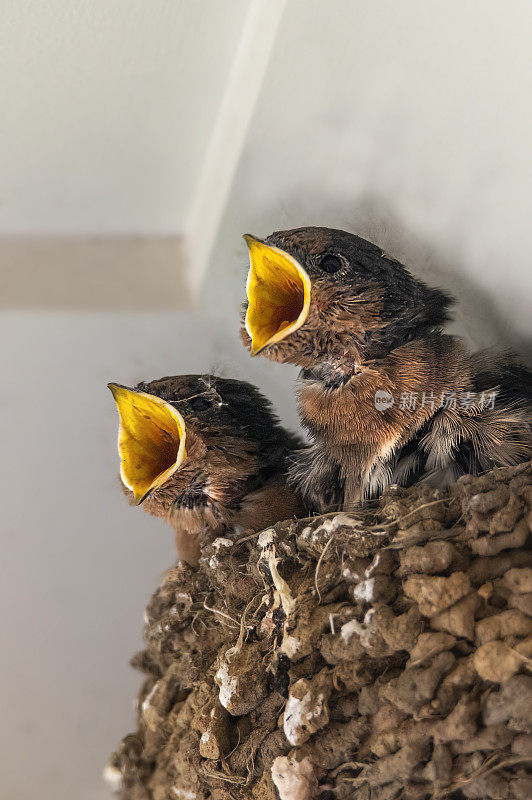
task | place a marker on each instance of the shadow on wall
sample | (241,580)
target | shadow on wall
(475,314)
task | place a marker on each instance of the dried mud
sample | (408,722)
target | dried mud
(377,655)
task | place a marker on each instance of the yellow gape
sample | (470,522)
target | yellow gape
(278,290)
(151,440)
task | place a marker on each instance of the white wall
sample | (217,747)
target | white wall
(407,122)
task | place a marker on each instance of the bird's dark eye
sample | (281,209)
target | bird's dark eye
(330,264)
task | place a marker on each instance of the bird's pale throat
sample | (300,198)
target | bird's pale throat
(278,291)
(151,440)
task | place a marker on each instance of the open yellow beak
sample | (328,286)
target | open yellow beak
(278,290)
(151,440)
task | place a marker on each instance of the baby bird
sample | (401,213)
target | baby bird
(206,454)
(385,395)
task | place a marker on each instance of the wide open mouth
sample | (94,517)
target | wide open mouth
(278,290)
(151,440)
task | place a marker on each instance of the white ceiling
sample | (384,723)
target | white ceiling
(107,110)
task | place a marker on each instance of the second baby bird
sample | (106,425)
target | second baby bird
(206,454)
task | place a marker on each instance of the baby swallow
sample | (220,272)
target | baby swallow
(385,395)
(206,454)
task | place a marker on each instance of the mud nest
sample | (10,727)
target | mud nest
(383,654)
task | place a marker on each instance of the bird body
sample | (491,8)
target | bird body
(385,395)
(233,459)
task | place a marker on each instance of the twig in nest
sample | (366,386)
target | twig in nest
(405,516)
(243,619)
(194,618)
(314,517)
(237,745)
(236,780)
(248,538)
(263,602)
(423,659)
(287,601)
(320,559)
(348,765)
(242,632)
(405,538)
(222,614)
(250,763)
(484,769)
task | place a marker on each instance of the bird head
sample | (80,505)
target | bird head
(192,440)
(151,440)
(318,294)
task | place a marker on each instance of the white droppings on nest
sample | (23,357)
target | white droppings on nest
(221,542)
(362,629)
(367,630)
(213,562)
(266,537)
(373,566)
(370,613)
(349,629)
(300,715)
(228,685)
(147,700)
(205,736)
(113,778)
(339,521)
(183,794)
(290,646)
(349,575)
(314,536)
(365,591)
(294,780)
(295,716)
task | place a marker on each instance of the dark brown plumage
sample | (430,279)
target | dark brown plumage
(234,473)
(371,335)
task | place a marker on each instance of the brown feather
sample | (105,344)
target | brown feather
(373,327)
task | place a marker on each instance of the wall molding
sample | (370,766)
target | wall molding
(229,134)
(93,273)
